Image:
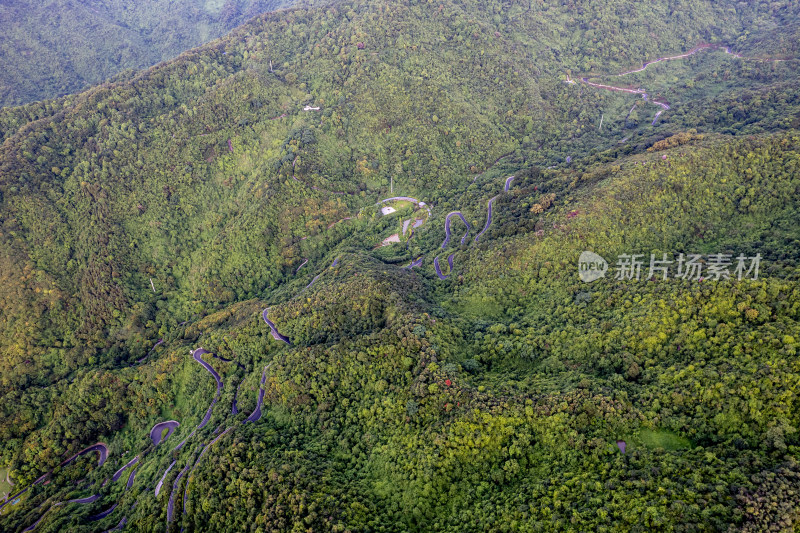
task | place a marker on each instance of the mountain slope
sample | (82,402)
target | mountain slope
(164,212)
(63,46)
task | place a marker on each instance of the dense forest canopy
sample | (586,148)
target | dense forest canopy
(201,244)
(54,47)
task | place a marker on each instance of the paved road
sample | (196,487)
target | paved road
(632,91)
(234,409)
(488,217)
(415,263)
(257,413)
(198,356)
(158,429)
(171,425)
(275,333)
(407,199)
(14,497)
(208,415)
(119,472)
(160,341)
(646,64)
(171,504)
(89,499)
(439,270)
(447,227)
(335,262)
(179,446)
(186,487)
(161,482)
(33,526)
(100,448)
(655,118)
(121,525)
(100,516)
(681,56)
(506,187)
(205,449)
(130,479)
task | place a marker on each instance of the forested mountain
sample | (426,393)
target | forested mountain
(199,245)
(53,47)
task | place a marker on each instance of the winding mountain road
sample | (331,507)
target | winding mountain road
(314,280)
(488,217)
(171,425)
(88,499)
(119,526)
(275,333)
(415,263)
(158,430)
(33,526)
(100,448)
(204,450)
(207,417)
(197,356)
(439,270)
(506,187)
(186,487)
(119,472)
(131,477)
(160,341)
(447,227)
(632,91)
(681,56)
(205,421)
(101,515)
(646,64)
(171,504)
(256,415)
(161,481)
(102,451)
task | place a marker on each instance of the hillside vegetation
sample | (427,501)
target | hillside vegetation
(165,211)
(55,47)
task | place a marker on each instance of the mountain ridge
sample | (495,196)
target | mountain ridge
(163,212)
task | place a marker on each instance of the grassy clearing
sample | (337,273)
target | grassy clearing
(655,438)
(5,488)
